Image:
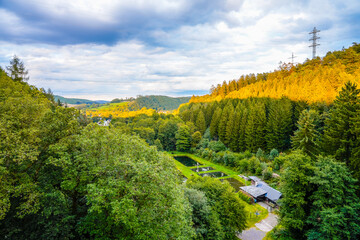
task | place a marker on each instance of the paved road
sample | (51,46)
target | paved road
(261,228)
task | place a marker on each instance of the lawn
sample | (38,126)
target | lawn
(218,168)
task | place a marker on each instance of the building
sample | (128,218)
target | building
(261,191)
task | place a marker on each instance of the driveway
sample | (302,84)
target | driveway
(261,228)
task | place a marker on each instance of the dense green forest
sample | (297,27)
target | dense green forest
(164,103)
(63,177)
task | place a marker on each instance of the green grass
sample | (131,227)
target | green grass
(230,173)
(252,217)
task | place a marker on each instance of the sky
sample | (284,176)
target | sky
(120,48)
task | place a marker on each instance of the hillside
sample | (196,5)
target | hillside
(317,80)
(77,101)
(159,102)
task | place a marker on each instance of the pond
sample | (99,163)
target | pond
(213,174)
(202,169)
(186,161)
(236,184)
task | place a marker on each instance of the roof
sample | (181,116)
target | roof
(255,178)
(253,191)
(271,193)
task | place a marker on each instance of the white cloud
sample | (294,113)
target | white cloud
(249,37)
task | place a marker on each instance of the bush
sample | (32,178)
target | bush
(267,173)
(273,154)
(245,198)
(217,146)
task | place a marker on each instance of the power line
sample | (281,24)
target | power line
(313,39)
(292,58)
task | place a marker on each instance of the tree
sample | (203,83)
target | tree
(339,137)
(200,122)
(255,129)
(166,134)
(214,125)
(17,70)
(205,220)
(224,120)
(296,190)
(195,138)
(230,129)
(278,126)
(224,201)
(183,138)
(334,214)
(306,137)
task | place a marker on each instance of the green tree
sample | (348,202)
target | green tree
(306,137)
(224,120)
(166,134)
(224,201)
(214,125)
(296,190)
(205,220)
(195,138)
(255,129)
(230,129)
(278,126)
(200,123)
(339,137)
(17,70)
(334,214)
(183,139)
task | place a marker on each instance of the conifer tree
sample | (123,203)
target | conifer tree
(305,138)
(215,123)
(223,121)
(339,137)
(242,128)
(278,127)
(200,122)
(255,129)
(229,128)
(234,142)
(17,70)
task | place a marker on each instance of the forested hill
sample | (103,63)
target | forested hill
(317,80)
(159,102)
(77,100)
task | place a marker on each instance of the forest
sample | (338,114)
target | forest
(64,177)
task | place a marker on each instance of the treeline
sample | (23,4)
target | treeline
(159,103)
(64,178)
(316,80)
(248,124)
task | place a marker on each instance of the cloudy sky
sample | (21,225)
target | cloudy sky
(121,48)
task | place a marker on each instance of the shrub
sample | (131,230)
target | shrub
(245,198)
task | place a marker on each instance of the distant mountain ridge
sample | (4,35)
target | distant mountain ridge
(78,100)
(158,102)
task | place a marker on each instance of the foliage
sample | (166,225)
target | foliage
(306,137)
(317,80)
(17,70)
(159,102)
(183,139)
(223,200)
(339,138)
(205,220)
